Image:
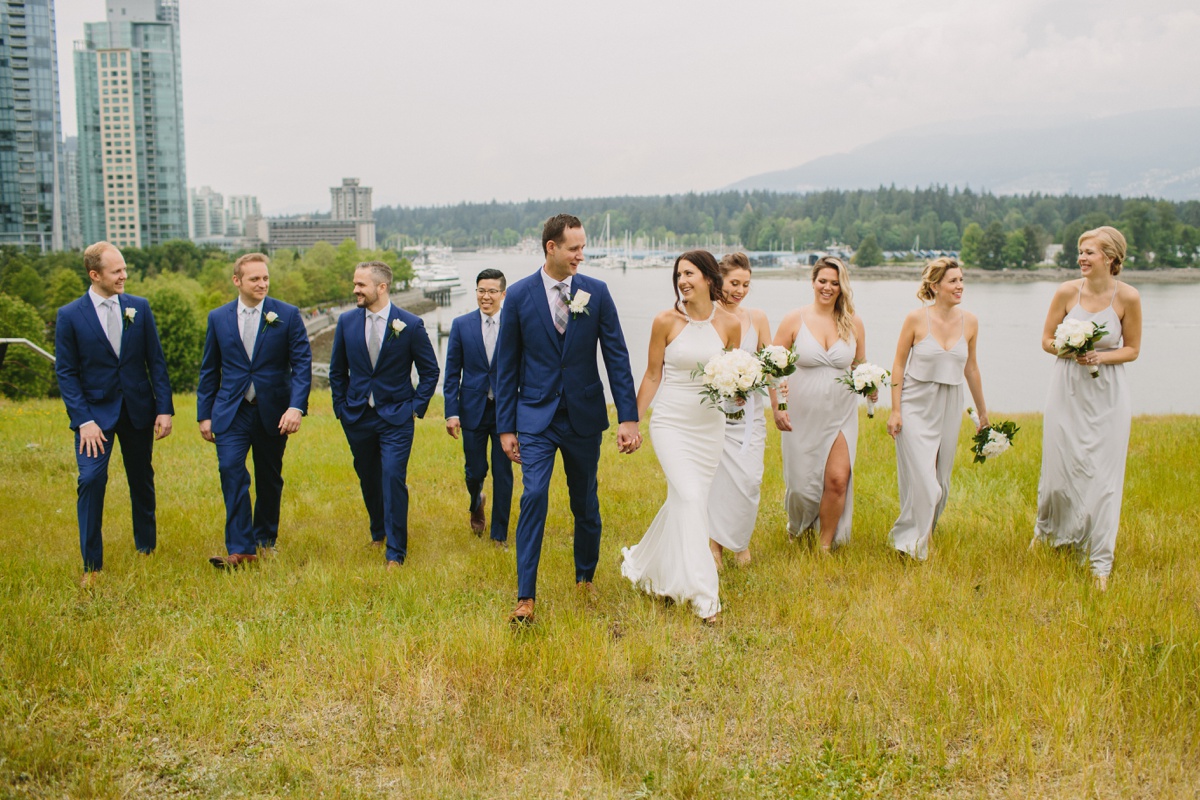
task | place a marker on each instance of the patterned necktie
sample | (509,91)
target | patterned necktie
(373,340)
(560,307)
(489,337)
(113,324)
(249,332)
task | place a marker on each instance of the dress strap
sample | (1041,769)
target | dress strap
(1116,288)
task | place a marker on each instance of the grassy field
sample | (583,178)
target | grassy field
(989,671)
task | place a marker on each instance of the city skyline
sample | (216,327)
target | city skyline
(473,102)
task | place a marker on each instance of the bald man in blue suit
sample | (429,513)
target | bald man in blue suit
(375,348)
(113,379)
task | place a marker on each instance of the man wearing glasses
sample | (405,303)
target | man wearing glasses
(470,391)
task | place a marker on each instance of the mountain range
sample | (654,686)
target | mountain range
(1147,153)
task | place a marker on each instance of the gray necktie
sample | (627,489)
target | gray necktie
(489,337)
(374,339)
(249,334)
(560,307)
(113,324)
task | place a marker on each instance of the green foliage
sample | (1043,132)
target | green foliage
(869,253)
(65,286)
(972,246)
(939,216)
(991,249)
(22,281)
(181,333)
(24,373)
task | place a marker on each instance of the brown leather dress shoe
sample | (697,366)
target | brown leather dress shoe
(233,560)
(523,613)
(90,579)
(392,566)
(478,522)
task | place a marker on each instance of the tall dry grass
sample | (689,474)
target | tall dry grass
(989,671)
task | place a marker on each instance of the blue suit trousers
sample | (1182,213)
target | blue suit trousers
(381,451)
(581,456)
(246,530)
(475,451)
(137,446)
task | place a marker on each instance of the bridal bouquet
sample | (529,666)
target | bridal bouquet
(777,363)
(994,440)
(1077,336)
(731,376)
(866,379)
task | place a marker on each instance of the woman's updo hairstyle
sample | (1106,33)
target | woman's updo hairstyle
(732,261)
(1112,244)
(934,272)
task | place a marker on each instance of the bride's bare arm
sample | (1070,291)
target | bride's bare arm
(654,361)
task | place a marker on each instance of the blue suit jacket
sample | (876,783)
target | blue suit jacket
(281,369)
(353,380)
(94,382)
(537,368)
(468,374)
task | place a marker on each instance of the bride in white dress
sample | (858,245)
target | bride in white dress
(672,559)
(733,501)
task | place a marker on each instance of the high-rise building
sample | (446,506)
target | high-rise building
(208,213)
(129,96)
(31,161)
(351,201)
(351,218)
(72,232)
(241,207)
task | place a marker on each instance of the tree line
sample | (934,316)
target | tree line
(183,283)
(990,231)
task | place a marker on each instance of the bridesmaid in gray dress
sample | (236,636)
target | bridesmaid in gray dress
(936,352)
(1087,420)
(733,500)
(818,451)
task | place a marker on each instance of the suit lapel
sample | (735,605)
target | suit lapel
(235,327)
(88,309)
(266,307)
(542,310)
(125,329)
(475,335)
(577,284)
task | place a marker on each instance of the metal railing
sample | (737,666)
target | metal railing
(4,343)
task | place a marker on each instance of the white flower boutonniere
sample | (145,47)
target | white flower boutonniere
(397,326)
(270,318)
(130,314)
(579,303)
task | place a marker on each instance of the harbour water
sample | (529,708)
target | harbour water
(1015,370)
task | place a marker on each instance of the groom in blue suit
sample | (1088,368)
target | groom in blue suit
(550,398)
(255,376)
(370,374)
(113,379)
(470,391)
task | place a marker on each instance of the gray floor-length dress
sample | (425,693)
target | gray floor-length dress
(733,501)
(931,407)
(1085,439)
(820,408)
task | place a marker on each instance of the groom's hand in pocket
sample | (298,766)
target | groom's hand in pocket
(512,447)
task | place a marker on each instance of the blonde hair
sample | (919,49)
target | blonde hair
(934,272)
(246,259)
(1112,244)
(843,307)
(732,261)
(93,254)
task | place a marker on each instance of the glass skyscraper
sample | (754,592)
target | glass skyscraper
(32,171)
(129,97)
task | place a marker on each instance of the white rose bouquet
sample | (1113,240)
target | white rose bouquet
(866,379)
(729,377)
(994,440)
(777,363)
(1074,337)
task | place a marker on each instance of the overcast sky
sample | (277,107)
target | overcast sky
(440,102)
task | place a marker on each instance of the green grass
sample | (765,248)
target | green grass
(989,671)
